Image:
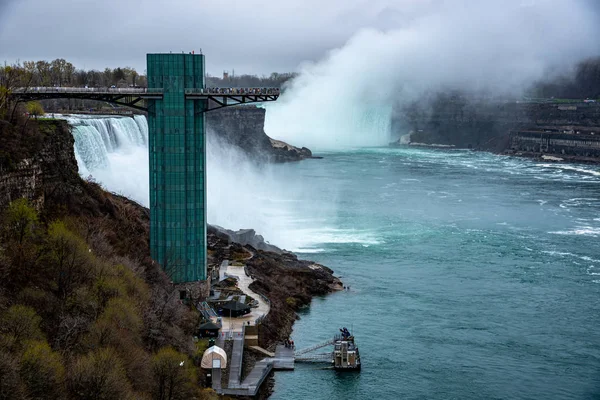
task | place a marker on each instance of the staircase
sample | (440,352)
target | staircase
(315,347)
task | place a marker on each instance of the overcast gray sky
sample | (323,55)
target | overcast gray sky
(258,36)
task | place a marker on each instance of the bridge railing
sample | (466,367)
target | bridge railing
(271,91)
(64,89)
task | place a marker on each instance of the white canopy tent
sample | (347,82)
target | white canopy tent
(214,353)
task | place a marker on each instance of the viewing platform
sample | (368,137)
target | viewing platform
(133,97)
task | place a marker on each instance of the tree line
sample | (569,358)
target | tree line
(61,72)
(584,82)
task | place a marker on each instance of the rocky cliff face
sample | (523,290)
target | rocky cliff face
(243,127)
(486,126)
(48,166)
(244,237)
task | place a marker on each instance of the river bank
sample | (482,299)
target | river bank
(288,282)
(567,131)
(517,151)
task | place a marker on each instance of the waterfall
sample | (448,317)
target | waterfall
(113,133)
(115,152)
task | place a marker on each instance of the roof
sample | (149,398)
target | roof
(235,306)
(213,353)
(209,325)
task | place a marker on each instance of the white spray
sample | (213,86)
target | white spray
(240,193)
(499,47)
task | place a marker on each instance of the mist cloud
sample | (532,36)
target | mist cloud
(260,36)
(497,47)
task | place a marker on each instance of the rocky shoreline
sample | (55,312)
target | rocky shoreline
(552,158)
(286,281)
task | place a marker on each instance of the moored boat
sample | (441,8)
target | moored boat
(345,356)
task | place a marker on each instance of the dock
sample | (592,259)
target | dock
(243,334)
(284,358)
(235,363)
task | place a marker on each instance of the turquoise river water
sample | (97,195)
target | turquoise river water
(472,276)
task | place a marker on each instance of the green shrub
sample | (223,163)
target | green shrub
(19,220)
(119,325)
(42,371)
(290,301)
(20,323)
(174,375)
(99,375)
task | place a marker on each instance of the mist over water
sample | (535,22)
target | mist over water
(241,193)
(492,48)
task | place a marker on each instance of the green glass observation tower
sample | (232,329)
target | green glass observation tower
(176,101)
(177,150)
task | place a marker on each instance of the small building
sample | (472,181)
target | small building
(234,309)
(214,356)
(208,329)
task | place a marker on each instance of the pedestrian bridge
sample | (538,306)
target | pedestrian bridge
(137,97)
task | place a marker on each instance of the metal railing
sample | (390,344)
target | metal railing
(320,357)
(64,89)
(270,91)
(234,91)
(206,310)
(315,347)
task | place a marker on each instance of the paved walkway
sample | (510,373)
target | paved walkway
(216,379)
(233,328)
(235,363)
(235,324)
(258,374)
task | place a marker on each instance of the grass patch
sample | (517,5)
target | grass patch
(240,255)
